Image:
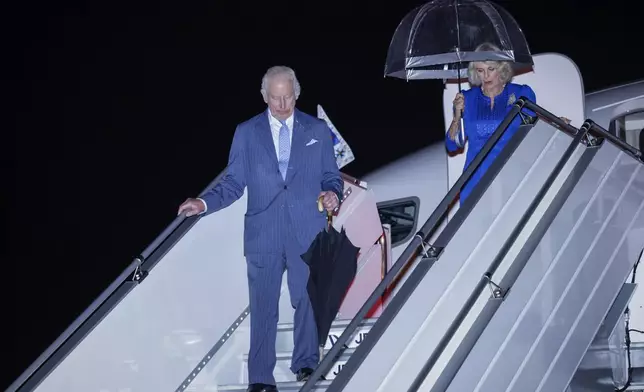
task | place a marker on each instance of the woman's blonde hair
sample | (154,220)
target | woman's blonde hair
(505,68)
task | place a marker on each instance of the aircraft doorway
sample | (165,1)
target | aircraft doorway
(630,128)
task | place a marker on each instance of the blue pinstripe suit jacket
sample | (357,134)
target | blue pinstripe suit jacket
(280,212)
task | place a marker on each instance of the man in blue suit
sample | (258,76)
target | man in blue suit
(286,160)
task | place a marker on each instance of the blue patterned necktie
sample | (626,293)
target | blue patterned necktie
(284,148)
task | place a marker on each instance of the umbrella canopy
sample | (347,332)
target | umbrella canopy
(332,261)
(438,39)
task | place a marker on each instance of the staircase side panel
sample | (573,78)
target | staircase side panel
(162,329)
(538,336)
(392,361)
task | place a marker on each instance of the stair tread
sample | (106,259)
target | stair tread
(336,324)
(281,386)
(284,355)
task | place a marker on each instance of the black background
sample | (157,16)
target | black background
(118,112)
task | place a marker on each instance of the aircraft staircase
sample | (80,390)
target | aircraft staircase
(524,289)
(283,376)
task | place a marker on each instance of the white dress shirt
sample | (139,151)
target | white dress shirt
(275,125)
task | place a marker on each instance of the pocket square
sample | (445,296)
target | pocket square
(311,142)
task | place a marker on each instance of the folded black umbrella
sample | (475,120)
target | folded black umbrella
(332,261)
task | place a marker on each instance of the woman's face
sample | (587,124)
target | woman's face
(488,72)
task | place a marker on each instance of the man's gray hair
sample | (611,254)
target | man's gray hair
(505,68)
(280,70)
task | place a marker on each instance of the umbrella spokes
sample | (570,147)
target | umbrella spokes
(448,32)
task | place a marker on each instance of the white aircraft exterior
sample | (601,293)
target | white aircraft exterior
(177,318)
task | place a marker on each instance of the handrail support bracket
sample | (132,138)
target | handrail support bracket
(496,291)
(139,273)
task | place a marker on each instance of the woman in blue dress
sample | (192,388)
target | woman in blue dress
(482,108)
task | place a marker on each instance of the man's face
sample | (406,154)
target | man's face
(280,97)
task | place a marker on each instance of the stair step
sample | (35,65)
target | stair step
(284,347)
(283,372)
(285,334)
(281,386)
(337,324)
(286,355)
(284,340)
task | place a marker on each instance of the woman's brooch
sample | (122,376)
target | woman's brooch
(512,99)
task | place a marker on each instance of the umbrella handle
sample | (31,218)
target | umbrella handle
(329,214)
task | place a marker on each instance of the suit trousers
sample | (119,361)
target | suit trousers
(265,272)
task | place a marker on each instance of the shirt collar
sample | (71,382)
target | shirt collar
(275,122)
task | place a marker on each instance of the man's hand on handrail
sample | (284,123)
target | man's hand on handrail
(192,207)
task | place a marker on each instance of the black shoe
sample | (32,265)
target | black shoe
(303,374)
(261,388)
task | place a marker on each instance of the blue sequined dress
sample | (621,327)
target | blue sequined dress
(480,121)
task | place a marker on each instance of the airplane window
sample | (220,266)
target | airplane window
(629,127)
(402,215)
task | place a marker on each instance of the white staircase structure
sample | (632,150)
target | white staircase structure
(524,289)
(283,376)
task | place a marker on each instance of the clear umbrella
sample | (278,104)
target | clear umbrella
(437,40)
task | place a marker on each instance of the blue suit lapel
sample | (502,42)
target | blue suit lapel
(265,136)
(298,144)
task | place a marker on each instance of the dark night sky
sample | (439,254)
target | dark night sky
(117,113)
